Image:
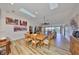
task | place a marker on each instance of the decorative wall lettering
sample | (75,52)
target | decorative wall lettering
(16,28)
(11,21)
(22,23)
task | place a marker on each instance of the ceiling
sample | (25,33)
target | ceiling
(60,15)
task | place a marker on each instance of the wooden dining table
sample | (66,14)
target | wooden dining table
(40,36)
(37,37)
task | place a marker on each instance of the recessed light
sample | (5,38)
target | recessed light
(36,12)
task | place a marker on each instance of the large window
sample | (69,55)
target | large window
(48,29)
(52,29)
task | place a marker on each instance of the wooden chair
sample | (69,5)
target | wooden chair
(5,46)
(40,37)
(3,50)
(48,41)
(28,39)
(35,43)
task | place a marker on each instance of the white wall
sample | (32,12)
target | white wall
(7,30)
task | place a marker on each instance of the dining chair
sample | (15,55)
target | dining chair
(5,46)
(28,39)
(48,41)
(3,50)
(35,42)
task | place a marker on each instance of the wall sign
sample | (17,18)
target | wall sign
(12,21)
(22,23)
(16,28)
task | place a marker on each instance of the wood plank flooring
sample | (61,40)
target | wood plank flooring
(19,47)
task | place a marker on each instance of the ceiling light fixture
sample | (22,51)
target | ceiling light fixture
(11,3)
(45,23)
(53,5)
(36,12)
(26,12)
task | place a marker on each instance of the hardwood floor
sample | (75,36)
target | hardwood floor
(62,42)
(19,47)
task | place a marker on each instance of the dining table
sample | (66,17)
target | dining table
(38,37)
(41,38)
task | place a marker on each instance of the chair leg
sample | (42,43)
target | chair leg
(48,46)
(36,45)
(27,43)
